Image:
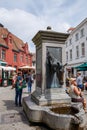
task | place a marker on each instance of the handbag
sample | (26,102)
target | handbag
(24,84)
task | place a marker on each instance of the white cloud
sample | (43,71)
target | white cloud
(25,25)
(26,19)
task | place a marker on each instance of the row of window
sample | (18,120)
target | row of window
(76,37)
(69,53)
(3,57)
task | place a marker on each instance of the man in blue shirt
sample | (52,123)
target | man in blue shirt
(79,81)
(29,81)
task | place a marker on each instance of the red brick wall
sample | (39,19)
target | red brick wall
(10,57)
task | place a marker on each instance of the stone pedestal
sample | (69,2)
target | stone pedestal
(50,92)
(47,92)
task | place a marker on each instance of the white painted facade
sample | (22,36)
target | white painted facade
(76,44)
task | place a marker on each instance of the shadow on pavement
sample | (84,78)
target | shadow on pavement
(14,114)
(10,105)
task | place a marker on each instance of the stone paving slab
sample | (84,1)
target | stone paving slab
(12,117)
(16,126)
(7,110)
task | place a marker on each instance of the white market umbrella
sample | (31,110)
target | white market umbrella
(27,67)
(10,68)
(7,68)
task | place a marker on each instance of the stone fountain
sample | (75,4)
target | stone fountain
(49,103)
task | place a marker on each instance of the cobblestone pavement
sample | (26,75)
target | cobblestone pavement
(12,117)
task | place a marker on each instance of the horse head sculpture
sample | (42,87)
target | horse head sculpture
(55,67)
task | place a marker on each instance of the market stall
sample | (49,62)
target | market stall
(25,69)
(5,75)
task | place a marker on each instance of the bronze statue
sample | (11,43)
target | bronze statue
(55,71)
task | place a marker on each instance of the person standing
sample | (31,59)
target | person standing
(79,81)
(18,89)
(14,78)
(29,82)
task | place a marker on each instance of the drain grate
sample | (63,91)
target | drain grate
(12,118)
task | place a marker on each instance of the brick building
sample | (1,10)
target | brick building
(13,50)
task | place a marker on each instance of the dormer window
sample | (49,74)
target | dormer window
(3,36)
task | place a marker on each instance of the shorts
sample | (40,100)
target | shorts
(77,100)
(80,86)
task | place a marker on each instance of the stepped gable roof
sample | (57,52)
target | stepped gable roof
(17,42)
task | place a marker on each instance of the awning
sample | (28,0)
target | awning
(27,67)
(7,68)
(3,63)
(10,68)
(82,67)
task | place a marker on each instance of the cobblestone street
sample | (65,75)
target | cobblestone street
(11,117)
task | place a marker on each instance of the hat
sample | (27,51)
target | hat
(72,79)
(78,72)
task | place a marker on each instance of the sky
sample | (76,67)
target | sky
(24,18)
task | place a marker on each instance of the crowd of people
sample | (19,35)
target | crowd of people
(75,87)
(21,81)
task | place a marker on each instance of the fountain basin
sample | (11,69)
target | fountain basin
(57,116)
